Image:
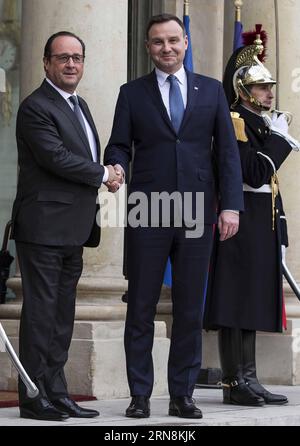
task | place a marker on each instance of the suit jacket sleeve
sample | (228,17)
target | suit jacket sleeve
(119,148)
(259,163)
(38,131)
(227,158)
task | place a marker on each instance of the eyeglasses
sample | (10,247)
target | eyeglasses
(64,58)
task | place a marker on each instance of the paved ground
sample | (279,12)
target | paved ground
(209,400)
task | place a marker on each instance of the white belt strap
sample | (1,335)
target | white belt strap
(266,188)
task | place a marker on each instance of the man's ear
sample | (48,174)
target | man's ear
(243,95)
(147,46)
(186,42)
(46,63)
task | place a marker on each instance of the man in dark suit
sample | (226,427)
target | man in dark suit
(172,135)
(54,216)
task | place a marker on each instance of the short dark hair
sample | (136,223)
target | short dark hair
(47,50)
(163,18)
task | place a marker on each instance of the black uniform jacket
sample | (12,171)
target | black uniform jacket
(245,281)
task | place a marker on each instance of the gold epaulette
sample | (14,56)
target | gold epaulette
(239,127)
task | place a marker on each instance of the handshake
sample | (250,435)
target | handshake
(278,124)
(116,177)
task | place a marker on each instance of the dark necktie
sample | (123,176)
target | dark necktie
(176,102)
(78,114)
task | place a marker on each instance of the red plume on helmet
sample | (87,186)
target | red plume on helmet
(250,36)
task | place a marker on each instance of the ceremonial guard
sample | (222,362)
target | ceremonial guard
(245,285)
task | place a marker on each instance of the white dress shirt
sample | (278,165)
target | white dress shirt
(164,86)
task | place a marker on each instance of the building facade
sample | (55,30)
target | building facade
(114,35)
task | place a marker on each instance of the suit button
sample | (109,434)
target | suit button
(178,141)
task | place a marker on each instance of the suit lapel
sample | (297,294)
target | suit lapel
(61,103)
(193,93)
(194,86)
(90,120)
(154,92)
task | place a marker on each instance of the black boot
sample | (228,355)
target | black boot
(249,370)
(235,390)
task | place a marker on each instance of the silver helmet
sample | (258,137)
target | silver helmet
(245,69)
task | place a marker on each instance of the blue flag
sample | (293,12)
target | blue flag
(237,38)
(188,63)
(188,59)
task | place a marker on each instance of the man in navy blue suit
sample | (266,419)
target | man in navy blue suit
(184,144)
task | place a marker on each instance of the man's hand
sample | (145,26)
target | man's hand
(279,125)
(116,177)
(228,224)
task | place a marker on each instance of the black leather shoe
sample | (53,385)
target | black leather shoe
(269,398)
(42,409)
(184,407)
(241,395)
(139,407)
(73,410)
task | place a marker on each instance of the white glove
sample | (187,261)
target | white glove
(279,126)
(279,123)
(283,251)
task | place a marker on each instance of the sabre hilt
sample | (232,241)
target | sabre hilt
(288,115)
